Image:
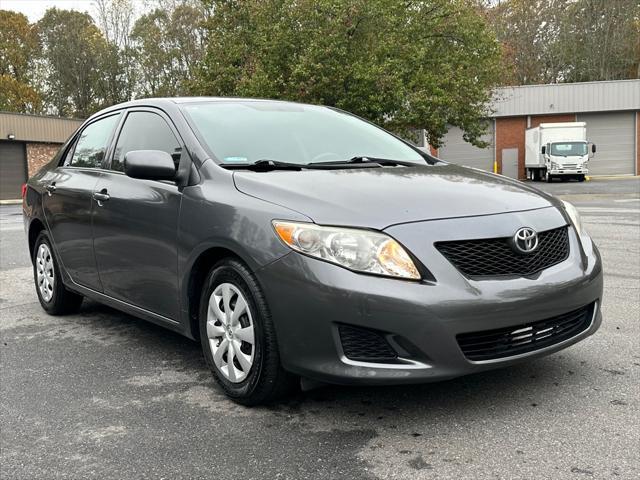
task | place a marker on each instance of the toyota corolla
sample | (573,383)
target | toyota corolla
(302,242)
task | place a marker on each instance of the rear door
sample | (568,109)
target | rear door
(68,204)
(136,229)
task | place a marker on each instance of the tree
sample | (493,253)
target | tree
(167,45)
(549,41)
(19,48)
(404,65)
(78,63)
(600,40)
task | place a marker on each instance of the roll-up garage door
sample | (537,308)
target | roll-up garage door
(456,150)
(13,169)
(614,136)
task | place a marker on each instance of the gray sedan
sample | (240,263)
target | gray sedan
(299,242)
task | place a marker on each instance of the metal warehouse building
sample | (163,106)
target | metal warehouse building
(611,110)
(27,142)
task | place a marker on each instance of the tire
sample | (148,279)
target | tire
(264,380)
(581,178)
(52,294)
(548,177)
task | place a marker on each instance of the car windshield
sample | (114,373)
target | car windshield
(245,132)
(569,148)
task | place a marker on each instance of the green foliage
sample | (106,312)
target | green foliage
(167,44)
(404,65)
(76,53)
(19,48)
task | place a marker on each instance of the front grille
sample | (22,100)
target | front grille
(491,257)
(515,340)
(365,345)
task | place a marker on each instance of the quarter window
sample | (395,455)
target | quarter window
(92,144)
(145,131)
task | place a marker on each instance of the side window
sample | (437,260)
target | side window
(92,144)
(145,131)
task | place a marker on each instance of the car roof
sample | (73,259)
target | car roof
(166,101)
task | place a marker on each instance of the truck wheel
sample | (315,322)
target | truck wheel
(581,178)
(548,177)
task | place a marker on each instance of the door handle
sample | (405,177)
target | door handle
(50,188)
(101,196)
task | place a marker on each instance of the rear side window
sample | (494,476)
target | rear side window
(92,144)
(145,131)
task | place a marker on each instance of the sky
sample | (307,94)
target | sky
(34,9)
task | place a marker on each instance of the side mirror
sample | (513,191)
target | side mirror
(544,149)
(149,165)
(593,148)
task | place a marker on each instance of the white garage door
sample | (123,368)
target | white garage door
(614,136)
(456,150)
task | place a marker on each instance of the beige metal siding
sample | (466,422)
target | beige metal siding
(609,96)
(456,150)
(34,128)
(614,136)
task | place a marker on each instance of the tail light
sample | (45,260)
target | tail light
(24,190)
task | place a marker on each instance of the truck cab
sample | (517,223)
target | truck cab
(566,159)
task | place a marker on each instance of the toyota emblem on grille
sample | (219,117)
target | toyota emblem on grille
(525,240)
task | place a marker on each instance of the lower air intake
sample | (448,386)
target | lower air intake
(364,345)
(528,337)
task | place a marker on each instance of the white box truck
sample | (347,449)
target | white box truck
(557,150)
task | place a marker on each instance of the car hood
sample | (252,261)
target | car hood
(380,197)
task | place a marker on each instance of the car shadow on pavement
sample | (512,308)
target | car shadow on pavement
(531,384)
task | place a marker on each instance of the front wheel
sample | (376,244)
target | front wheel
(238,338)
(548,177)
(52,294)
(581,178)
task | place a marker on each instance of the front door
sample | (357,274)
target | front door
(68,204)
(136,229)
(510,162)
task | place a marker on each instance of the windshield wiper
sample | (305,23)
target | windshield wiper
(368,160)
(264,165)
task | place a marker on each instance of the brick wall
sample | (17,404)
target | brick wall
(39,154)
(537,120)
(510,134)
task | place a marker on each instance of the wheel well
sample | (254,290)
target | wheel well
(34,230)
(197,277)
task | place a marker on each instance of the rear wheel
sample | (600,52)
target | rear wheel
(238,338)
(52,294)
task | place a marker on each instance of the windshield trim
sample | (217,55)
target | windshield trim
(555,153)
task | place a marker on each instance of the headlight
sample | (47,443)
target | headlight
(574,216)
(359,250)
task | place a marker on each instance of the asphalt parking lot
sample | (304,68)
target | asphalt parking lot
(105,395)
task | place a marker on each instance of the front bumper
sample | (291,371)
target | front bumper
(309,298)
(569,171)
